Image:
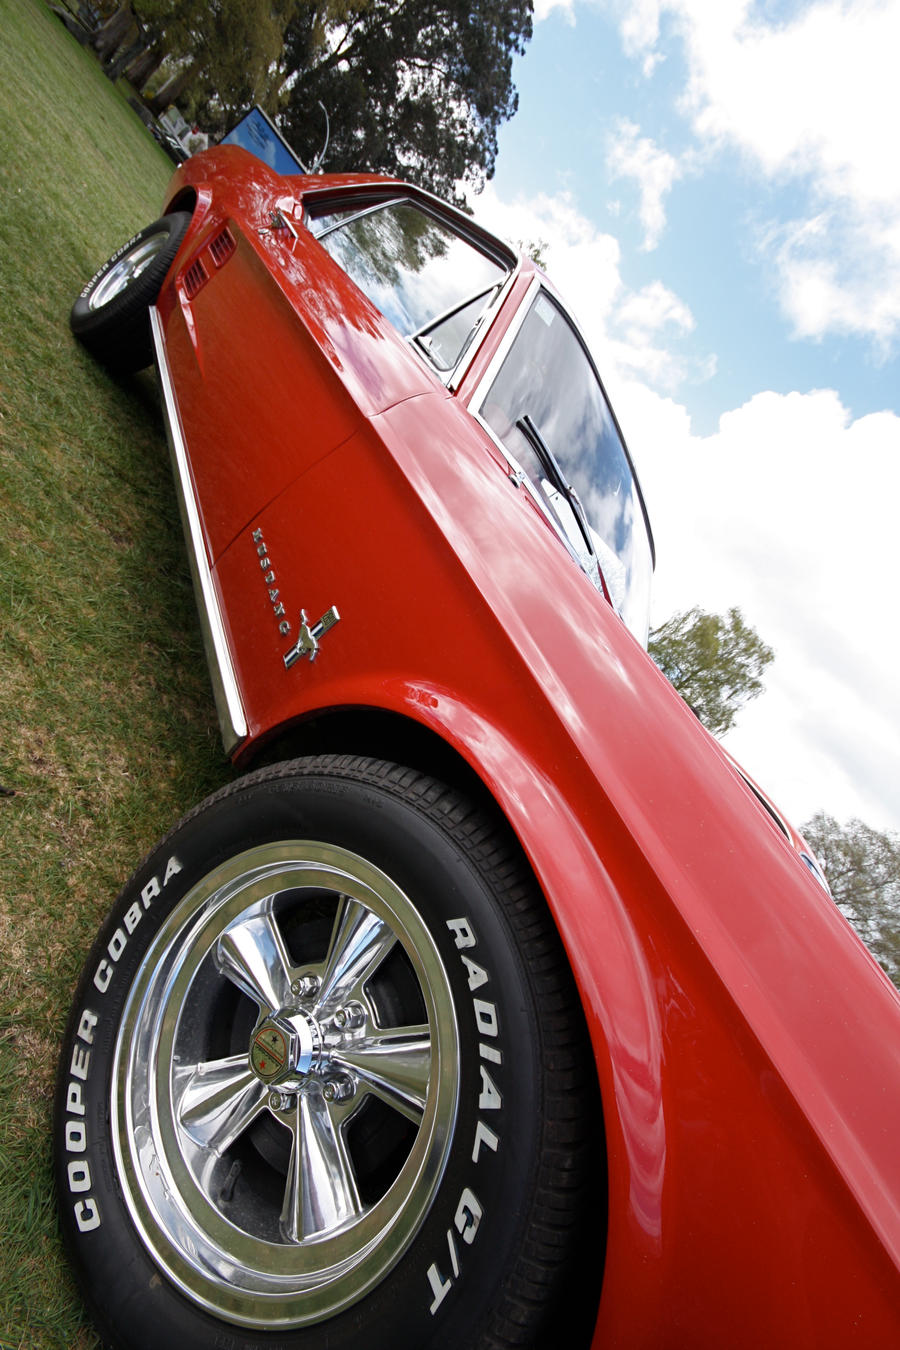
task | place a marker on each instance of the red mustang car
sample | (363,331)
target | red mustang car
(492,1007)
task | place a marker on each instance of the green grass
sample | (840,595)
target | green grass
(107,726)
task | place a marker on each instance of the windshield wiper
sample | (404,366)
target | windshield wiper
(552,468)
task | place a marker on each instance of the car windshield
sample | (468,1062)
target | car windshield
(430,282)
(547,397)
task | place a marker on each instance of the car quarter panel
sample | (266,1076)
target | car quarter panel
(267,337)
(751,1151)
(690,923)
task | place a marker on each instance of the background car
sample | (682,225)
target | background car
(492,1004)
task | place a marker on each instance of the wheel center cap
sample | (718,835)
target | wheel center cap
(285,1048)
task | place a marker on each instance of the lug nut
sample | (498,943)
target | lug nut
(347,1018)
(338,1089)
(279,1101)
(305,986)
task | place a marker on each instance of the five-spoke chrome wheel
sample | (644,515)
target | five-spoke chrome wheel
(126,270)
(326,1080)
(285,1084)
(111,316)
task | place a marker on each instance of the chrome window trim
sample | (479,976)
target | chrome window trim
(454,378)
(465,226)
(354,215)
(480,392)
(815,867)
(516,472)
(766,805)
(481,240)
(229,705)
(454,309)
(539,283)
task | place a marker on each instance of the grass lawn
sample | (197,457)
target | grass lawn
(107,725)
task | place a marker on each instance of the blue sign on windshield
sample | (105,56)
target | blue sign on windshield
(256,133)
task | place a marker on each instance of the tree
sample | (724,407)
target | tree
(535,249)
(715,662)
(416,88)
(862,867)
(227,53)
(113,32)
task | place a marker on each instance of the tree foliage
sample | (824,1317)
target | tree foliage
(862,866)
(535,249)
(229,51)
(716,662)
(416,88)
(412,87)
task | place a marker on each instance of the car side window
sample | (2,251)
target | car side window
(548,408)
(433,284)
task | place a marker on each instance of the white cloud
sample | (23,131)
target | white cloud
(631,155)
(789,512)
(817,94)
(582,261)
(839,272)
(543,8)
(639,22)
(642,340)
(633,332)
(810,98)
(652,308)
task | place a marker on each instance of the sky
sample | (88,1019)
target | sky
(717,183)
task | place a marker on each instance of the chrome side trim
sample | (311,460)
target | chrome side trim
(454,378)
(230,708)
(480,393)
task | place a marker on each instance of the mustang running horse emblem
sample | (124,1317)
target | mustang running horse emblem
(307,643)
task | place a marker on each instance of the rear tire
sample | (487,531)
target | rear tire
(111,316)
(327,1082)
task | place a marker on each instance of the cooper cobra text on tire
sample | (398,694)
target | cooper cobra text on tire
(326,1080)
(111,316)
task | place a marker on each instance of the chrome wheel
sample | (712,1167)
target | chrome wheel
(318,1092)
(285,1084)
(127,269)
(111,316)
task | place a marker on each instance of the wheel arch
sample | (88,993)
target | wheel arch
(184,200)
(457,863)
(379,734)
(588,907)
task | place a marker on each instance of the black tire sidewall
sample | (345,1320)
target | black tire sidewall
(132,1300)
(118,333)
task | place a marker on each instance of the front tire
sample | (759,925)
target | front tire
(111,316)
(326,1080)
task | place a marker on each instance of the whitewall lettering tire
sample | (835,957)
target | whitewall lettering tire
(326,1081)
(111,316)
